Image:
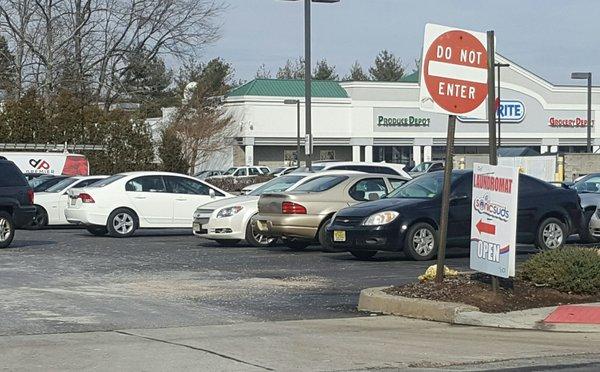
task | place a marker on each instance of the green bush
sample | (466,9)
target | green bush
(575,270)
(234,184)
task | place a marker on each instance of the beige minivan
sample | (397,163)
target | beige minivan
(300,217)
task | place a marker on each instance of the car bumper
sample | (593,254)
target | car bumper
(594,225)
(218,228)
(292,226)
(85,217)
(23,215)
(367,238)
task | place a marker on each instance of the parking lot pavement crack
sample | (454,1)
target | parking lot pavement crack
(195,348)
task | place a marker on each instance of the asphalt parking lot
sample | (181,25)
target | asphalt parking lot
(65,280)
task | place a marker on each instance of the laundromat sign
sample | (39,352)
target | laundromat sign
(510,111)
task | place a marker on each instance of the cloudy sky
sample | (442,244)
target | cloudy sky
(549,37)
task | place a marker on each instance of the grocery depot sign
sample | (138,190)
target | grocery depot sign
(494,219)
(510,111)
(554,121)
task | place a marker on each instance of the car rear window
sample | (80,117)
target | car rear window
(321,183)
(10,175)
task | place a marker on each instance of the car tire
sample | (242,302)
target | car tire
(258,240)
(227,242)
(323,236)
(363,255)
(7,229)
(122,223)
(40,220)
(421,242)
(295,244)
(97,230)
(551,234)
(585,236)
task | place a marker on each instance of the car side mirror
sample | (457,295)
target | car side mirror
(456,198)
(567,184)
(373,196)
(211,193)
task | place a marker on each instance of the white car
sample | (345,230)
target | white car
(120,204)
(51,204)
(228,221)
(244,172)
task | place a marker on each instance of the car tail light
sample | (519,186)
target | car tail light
(76,166)
(30,196)
(86,198)
(292,208)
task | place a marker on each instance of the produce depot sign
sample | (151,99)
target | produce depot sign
(454,72)
(402,121)
(494,219)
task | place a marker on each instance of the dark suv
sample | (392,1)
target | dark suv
(16,201)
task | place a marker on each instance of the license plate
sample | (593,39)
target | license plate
(73,201)
(197,226)
(339,236)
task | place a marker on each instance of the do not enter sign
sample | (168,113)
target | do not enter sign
(454,72)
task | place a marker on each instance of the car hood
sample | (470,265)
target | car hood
(230,201)
(589,199)
(368,208)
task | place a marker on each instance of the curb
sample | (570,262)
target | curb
(376,301)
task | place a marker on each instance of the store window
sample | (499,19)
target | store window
(393,154)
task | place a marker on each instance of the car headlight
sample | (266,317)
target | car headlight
(381,218)
(197,215)
(230,211)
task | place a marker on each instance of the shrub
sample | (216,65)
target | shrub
(575,270)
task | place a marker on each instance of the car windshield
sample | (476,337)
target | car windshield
(588,185)
(230,171)
(278,184)
(63,184)
(321,183)
(420,168)
(428,186)
(107,181)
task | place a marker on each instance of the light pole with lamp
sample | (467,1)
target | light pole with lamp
(308,144)
(499,66)
(588,76)
(297,103)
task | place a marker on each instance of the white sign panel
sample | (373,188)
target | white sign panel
(454,72)
(494,219)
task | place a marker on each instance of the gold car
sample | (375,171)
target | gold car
(301,216)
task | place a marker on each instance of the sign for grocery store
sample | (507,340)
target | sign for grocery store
(569,122)
(494,219)
(454,72)
(510,111)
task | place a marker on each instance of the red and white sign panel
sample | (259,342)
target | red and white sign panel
(454,72)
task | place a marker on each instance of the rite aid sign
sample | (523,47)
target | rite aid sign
(494,219)
(509,111)
(454,72)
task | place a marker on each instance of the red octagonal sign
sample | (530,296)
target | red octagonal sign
(454,72)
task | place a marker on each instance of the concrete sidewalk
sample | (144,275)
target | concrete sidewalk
(375,343)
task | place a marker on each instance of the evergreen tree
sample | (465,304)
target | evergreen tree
(387,67)
(292,70)
(356,73)
(170,151)
(263,72)
(323,71)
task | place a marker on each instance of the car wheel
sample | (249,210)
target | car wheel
(295,244)
(97,230)
(324,238)
(7,229)
(227,242)
(551,234)
(122,223)
(421,242)
(585,236)
(363,255)
(40,220)
(256,239)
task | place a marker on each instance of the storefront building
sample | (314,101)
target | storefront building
(381,121)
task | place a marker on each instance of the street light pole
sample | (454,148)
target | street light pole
(499,65)
(297,103)
(588,76)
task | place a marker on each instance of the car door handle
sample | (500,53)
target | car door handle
(139,197)
(181,199)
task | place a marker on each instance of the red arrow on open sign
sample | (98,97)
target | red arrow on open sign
(484,227)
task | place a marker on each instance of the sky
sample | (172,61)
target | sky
(551,38)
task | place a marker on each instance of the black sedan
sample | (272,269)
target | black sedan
(408,218)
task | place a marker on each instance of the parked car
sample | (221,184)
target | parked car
(228,221)
(408,218)
(280,171)
(208,173)
(16,201)
(381,168)
(238,172)
(426,167)
(120,204)
(43,183)
(51,204)
(588,188)
(300,216)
